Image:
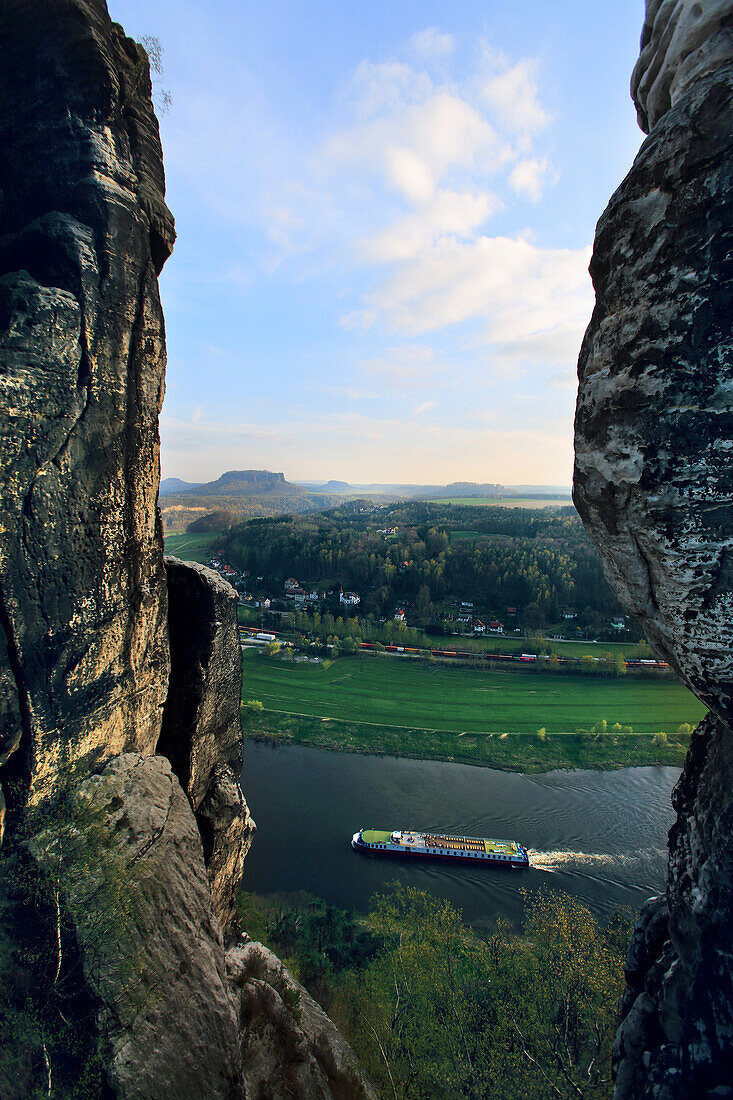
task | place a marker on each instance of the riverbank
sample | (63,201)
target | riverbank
(517,752)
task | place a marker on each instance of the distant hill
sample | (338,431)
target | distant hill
(212,521)
(247,483)
(336,487)
(174,485)
(242,494)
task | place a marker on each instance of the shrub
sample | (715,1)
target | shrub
(254,706)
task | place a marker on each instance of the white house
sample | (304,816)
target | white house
(349,598)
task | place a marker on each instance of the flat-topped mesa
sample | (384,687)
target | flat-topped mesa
(654,485)
(84,232)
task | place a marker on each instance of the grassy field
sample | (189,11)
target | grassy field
(407,708)
(508,502)
(190,547)
(521,752)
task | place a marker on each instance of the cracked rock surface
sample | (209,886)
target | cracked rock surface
(84,231)
(201,733)
(654,485)
(167,1011)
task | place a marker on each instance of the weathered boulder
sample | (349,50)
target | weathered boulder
(201,732)
(84,231)
(167,1012)
(653,484)
(289,1045)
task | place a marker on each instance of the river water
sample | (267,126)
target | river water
(599,836)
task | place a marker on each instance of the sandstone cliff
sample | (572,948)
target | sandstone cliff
(653,483)
(120,675)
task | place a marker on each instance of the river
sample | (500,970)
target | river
(599,836)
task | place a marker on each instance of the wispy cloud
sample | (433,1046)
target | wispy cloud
(512,92)
(431,44)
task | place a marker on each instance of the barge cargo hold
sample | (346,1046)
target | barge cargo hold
(472,849)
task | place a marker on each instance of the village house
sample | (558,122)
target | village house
(399,614)
(479,627)
(465,613)
(350,598)
(297,594)
(496,627)
(291,585)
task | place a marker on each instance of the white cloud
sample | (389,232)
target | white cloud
(417,144)
(528,176)
(386,87)
(518,288)
(431,44)
(558,345)
(449,212)
(424,406)
(511,91)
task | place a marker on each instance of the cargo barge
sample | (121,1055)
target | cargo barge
(467,849)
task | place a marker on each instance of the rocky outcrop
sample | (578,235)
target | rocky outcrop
(201,733)
(653,483)
(290,1047)
(166,1007)
(84,231)
(179,1017)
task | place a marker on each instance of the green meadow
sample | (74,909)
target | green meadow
(190,547)
(414,708)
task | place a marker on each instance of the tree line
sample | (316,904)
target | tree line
(540,562)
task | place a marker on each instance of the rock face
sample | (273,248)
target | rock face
(201,733)
(653,483)
(84,231)
(167,1009)
(289,1045)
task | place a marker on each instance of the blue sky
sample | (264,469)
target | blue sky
(385,211)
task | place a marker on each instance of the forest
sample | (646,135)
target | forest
(433,557)
(434,1007)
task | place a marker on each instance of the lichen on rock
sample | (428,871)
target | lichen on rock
(82,585)
(654,485)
